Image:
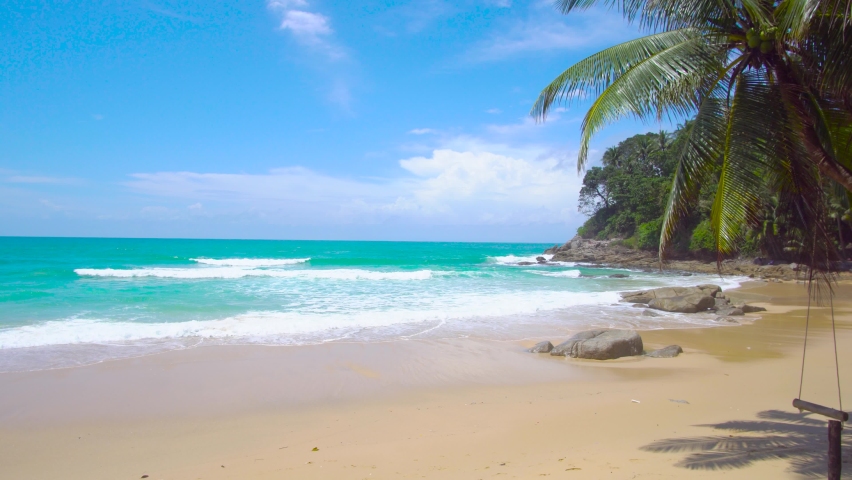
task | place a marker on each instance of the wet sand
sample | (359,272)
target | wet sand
(442,409)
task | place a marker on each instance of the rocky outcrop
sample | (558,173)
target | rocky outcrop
(611,253)
(666,352)
(601,345)
(541,347)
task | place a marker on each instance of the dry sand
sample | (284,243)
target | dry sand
(463,409)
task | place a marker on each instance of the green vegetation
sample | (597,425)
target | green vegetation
(769,150)
(626,198)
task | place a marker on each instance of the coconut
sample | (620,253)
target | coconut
(766,47)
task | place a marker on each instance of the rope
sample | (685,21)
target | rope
(805,349)
(836,363)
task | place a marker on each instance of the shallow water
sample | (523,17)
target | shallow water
(67,301)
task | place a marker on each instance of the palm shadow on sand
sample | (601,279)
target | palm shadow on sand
(802,439)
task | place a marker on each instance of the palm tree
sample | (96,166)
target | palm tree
(769,83)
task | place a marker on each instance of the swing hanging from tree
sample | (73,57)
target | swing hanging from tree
(835,426)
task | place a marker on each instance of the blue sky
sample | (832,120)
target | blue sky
(292,119)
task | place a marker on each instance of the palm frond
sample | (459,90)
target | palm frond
(698,159)
(737,198)
(597,72)
(665,83)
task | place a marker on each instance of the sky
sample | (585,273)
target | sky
(294,119)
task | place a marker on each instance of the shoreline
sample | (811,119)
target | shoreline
(421,407)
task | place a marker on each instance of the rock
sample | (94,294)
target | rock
(541,347)
(727,320)
(540,259)
(710,289)
(666,352)
(526,263)
(637,297)
(721,303)
(650,313)
(601,345)
(751,309)
(609,345)
(639,305)
(683,304)
(645,296)
(564,349)
(552,250)
(618,275)
(759,261)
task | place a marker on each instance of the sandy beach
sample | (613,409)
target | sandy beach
(464,408)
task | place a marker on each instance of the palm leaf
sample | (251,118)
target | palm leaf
(662,84)
(597,72)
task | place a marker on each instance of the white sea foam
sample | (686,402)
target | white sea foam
(301,327)
(250,262)
(514,259)
(237,272)
(560,273)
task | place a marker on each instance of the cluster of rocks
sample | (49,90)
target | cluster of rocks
(538,261)
(604,345)
(612,253)
(701,298)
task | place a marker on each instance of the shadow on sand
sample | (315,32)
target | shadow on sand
(801,439)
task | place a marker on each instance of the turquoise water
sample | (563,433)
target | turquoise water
(68,301)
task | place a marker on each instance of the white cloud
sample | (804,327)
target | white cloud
(306,25)
(551,33)
(446,187)
(494,111)
(421,131)
(311,29)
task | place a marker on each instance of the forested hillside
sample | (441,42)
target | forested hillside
(626,199)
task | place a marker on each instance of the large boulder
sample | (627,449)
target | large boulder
(601,345)
(683,304)
(751,308)
(541,347)
(666,352)
(609,345)
(565,348)
(645,296)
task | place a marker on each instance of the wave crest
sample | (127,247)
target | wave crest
(250,262)
(234,272)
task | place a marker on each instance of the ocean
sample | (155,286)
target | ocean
(77,301)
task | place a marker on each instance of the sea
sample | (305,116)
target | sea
(67,302)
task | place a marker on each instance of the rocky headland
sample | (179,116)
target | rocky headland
(612,254)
